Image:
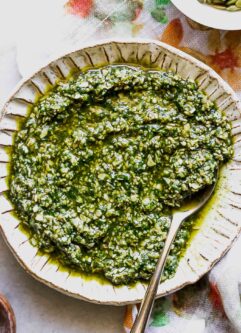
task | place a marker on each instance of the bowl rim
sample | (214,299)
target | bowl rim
(208,15)
(172,50)
(94,44)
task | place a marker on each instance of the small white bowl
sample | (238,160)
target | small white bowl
(208,15)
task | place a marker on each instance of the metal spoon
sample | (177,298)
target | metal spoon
(179,216)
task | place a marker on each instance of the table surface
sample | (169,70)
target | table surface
(38,308)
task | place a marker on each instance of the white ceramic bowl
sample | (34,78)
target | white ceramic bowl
(209,16)
(221,224)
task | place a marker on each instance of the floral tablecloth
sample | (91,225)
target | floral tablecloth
(51,28)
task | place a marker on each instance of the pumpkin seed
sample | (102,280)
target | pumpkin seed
(230,5)
(238,4)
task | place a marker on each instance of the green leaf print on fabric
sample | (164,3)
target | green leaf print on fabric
(159,13)
(162,2)
(159,320)
(160,317)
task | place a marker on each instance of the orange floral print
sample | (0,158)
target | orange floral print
(216,298)
(224,50)
(173,34)
(128,322)
(80,8)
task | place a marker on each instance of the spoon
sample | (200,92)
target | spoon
(7,318)
(179,216)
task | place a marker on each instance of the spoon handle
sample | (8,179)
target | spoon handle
(148,301)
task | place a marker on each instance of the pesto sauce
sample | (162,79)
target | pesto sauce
(104,157)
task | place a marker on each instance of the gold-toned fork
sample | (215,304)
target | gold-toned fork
(178,217)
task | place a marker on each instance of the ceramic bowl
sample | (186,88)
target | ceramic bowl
(7,317)
(208,15)
(221,223)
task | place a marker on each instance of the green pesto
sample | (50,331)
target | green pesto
(104,157)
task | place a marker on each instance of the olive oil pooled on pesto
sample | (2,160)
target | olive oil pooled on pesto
(104,157)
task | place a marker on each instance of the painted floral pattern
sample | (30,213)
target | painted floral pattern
(224,49)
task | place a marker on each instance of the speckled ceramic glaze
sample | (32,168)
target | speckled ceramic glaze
(221,222)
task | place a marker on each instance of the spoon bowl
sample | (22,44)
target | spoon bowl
(179,216)
(198,201)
